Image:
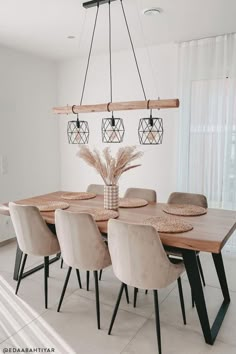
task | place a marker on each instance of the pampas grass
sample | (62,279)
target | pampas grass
(110,168)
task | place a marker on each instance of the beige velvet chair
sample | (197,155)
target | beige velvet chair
(149,195)
(96,188)
(82,247)
(139,260)
(193,199)
(188,198)
(34,238)
(143,193)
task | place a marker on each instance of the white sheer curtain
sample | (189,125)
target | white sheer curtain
(207,151)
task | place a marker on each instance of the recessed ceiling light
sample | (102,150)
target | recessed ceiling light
(152,11)
(70,37)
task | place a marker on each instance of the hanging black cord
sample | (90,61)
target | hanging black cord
(110,50)
(131,42)
(89,56)
(110,62)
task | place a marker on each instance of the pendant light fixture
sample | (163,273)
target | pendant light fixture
(150,130)
(78,131)
(112,128)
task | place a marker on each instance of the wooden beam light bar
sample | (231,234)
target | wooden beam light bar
(119,106)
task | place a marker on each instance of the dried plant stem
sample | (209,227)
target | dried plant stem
(110,168)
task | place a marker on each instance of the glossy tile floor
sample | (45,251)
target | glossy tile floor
(24,323)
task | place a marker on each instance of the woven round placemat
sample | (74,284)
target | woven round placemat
(78,195)
(101,214)
(132,202)
(168,224)
(184,210)
(52,206)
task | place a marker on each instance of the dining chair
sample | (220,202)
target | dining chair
(142,193)
(193,199)
(188,198)
(96,188)
(82,247)
(139,260)
(150,196)
(34,238)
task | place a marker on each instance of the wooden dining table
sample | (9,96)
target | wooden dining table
(209,234)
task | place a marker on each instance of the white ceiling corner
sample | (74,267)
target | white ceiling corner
(42,26)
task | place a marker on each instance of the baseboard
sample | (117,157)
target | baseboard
(6,242)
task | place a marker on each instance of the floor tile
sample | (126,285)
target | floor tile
(74,330)
(174,340)
(17,311)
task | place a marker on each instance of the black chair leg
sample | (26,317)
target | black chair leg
(100,274)
(192,298)
(116,307)
(158,328)
(48,267)
(200,270)
(181,297)
(78,276)
(64,288)
(135,296)
(21,273)
(97,297)
(61,262)
(46,272)
(146,291)
(126,293)
(87,278)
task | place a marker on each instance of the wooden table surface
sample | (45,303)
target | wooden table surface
(210,231)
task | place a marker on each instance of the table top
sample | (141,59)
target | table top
(210,231)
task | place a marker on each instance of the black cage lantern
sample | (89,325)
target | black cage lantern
(77,131)
(78,135)
(112,130)
(150,131)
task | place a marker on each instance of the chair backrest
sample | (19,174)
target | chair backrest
(33,234)
(82,245)
(138,257)
(147,194)
(188,198)
(96,188)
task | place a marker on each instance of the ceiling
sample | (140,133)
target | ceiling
(42,26)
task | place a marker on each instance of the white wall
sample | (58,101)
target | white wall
(28,130)
(158,168)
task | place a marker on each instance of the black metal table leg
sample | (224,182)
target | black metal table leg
(210,333)
(192,270)
(18,258)
(219,265)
